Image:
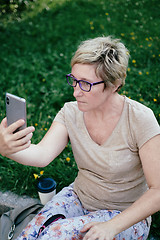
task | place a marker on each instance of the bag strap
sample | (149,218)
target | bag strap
(17,215)
(49,221)
(27,211)
(19,211)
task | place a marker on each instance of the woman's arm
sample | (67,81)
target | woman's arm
(146,205)
(40,154)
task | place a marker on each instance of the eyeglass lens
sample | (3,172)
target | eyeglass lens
(85,86)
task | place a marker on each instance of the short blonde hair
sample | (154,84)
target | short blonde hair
(109,55)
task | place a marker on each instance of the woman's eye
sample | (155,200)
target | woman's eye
(85,83)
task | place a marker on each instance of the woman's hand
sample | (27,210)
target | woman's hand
(98,230)
(11,142)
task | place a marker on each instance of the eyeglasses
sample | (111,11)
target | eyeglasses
(84,85)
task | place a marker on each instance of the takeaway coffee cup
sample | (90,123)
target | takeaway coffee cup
(46,189)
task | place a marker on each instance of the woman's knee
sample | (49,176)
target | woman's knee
(137,231)
(63,229)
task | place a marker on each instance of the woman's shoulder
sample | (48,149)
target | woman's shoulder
(68,113)
(70,110)
(138,110)
(71,107)
(142,122)
(72,104)
(137,106)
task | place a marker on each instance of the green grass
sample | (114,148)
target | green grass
(36,46)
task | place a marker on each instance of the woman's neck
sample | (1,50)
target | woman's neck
(112,107)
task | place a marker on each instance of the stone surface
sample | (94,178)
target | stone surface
(9,200)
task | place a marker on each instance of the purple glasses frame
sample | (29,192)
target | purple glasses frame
(81,81)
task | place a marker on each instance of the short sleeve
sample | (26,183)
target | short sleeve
(144,124)
(67,114)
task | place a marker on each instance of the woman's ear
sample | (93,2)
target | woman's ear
(117,85)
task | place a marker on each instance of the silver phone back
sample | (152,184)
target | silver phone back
(15,109)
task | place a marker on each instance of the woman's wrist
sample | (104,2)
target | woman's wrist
(114,227)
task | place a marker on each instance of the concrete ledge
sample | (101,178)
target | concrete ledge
(9,200)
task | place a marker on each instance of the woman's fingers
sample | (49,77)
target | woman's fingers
(12,146)
(14,126)
(11,142)
(24,140)
(23,133)
(87,226)
(21,147)
(17,149)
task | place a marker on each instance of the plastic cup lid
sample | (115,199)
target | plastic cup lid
(46,185)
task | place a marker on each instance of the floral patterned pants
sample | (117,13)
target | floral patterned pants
(67,203)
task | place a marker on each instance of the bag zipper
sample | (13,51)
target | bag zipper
(11,232)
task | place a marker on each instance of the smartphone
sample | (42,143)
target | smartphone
(15,109)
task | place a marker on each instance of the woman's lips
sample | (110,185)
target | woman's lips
(78,101)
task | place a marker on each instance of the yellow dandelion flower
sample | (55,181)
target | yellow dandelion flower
(147,73)
(153,55)
(155,100)
(45,129)
(122,34)
(133,61)
(92,28)
(128,69)
(159,55)
(41,172)
(91,23)
(106,14)
(68,159)
(147,39)
(36,124)
(35,175)
(132,33)
(149,45)
(141,100)
(133,38)
(140,73)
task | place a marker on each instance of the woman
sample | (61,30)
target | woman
(116,144)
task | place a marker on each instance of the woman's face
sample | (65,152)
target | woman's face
(97,97)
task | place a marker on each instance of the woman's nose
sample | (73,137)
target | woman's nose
(77,91)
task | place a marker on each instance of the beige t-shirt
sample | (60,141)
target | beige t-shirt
(110,175)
